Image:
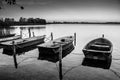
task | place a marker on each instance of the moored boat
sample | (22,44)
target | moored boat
(6,35)
(51,49)
(10,38)
(21,44)
(99,49)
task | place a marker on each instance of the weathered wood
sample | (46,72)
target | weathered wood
(14,55)
(22,44)
(29,31)
(51,36)
(21,33)
(60,63)
(50,48)
(101,48)
(10,38)
(75,39)
(33,34)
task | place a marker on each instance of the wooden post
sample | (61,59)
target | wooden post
(102,35)
(75,39)
(33,34)
(60,63)
(21,33)
(14,54)
(29,32)
(51,36)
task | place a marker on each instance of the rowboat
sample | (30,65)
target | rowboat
(10,38)
(51,49)
(7,35)
(21,44)
(99,49)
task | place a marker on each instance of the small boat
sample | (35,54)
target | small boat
(98,49)
(10,38)
(50,49)
(21,44)
(7,35)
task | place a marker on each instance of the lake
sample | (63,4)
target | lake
(33,69)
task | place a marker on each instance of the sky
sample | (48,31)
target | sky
(65,10)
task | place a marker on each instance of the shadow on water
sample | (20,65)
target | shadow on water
(97,63)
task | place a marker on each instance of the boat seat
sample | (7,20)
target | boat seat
(104,46)
(100,47)
(89,50)
(100,43)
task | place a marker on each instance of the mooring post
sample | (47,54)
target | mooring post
(60,63)
(51,36)
(14,54)
(33,34)
(75,39)
(102,35)
(21,33)
(29,32)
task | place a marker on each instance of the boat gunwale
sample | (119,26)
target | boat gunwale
(57,44)
(91,42)
(22,41)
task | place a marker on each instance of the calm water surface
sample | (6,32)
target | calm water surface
(85,33)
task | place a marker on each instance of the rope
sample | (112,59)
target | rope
(26,59)
(71,69)
(116,73)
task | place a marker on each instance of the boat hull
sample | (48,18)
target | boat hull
(7,35)
(24,46)
(10,38)
(52,53)
(98,49)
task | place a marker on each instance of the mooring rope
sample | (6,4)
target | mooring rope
(71,69)
(25,59)
(68,69)
(116,73)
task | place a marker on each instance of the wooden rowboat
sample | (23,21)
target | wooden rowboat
(100,49)
(51,49)
(21,44)
(7,35)
(10,38)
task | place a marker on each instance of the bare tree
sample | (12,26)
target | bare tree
(9,2)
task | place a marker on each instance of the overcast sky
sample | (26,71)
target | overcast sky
(72,10)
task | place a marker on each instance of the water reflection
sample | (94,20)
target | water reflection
(97,63)
(5,32)
(26,30)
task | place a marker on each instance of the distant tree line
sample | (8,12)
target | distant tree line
(21,21)
(65,22)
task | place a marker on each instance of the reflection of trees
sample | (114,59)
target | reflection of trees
(4,31)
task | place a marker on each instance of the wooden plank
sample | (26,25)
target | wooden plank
(89,50)
(10,38)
